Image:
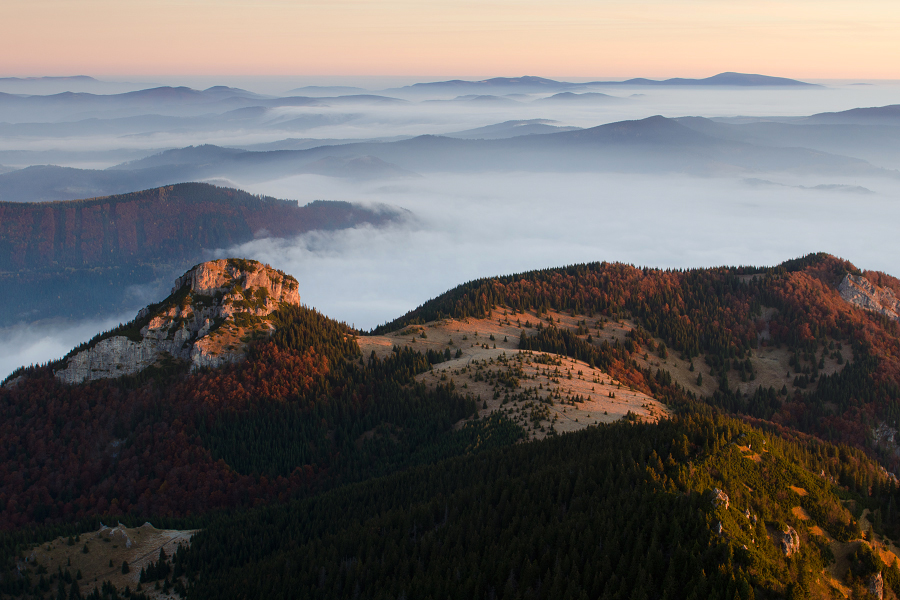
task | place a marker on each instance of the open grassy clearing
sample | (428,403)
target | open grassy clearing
(98,556)
(482,350)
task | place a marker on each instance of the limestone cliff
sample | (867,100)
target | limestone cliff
(212,311)
(859,291)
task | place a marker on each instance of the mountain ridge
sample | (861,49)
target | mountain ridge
(408,449)
(652,144)
(533,84)
(722,79)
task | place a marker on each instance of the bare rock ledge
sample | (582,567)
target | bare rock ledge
(211,308)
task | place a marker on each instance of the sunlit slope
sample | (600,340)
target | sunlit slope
(777,343)
(686,508)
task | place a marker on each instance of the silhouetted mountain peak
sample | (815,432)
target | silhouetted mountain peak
(655,129)
(517,80)
(722,79)
(202,154)
(889,115)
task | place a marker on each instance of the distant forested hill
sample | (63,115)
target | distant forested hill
(75,258)
(724,316)
(160,224)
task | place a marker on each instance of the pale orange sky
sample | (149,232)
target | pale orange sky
(576,38)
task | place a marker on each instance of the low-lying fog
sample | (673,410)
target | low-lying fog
(89,138)
(38,343)
(465,226)
(476,226)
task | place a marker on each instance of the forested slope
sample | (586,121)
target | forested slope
(623,511)
(719,316)
(316,471)
(290,419)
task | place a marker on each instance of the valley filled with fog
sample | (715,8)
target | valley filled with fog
(511,176)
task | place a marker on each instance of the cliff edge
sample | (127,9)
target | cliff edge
(213,311)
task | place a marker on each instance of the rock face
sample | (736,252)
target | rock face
(790,541)
(876,586)
(720,498)
(859,291)
(211,309)
(14,382)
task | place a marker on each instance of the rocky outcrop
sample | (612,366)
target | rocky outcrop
(232,275)
(876,586)
(861,292)
(114,534)
(211,310)
(720,498)
(14,382)
(790,541)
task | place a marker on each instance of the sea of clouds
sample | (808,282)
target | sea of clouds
(465,226)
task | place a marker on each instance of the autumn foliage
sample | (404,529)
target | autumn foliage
(305,410)
(286,421)
(164,224)
(717,314)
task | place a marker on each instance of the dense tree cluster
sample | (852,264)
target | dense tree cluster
(304,411)
(156,225)
(622,511)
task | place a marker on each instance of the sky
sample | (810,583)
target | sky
(813,39)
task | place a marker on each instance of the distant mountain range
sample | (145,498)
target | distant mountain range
(326,90)
(852,135)
(537,85)
(583,98)
(877,115)
(167,113)
(509,129)
(28,100)
(655,144)
(722,79)
(59,84)
(502,85)
(70,78)
(171,101)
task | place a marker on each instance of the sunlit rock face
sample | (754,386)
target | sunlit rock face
(210,312)
(859,291)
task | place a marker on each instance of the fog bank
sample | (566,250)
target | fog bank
(37,343)
(469,226)
(478,226)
